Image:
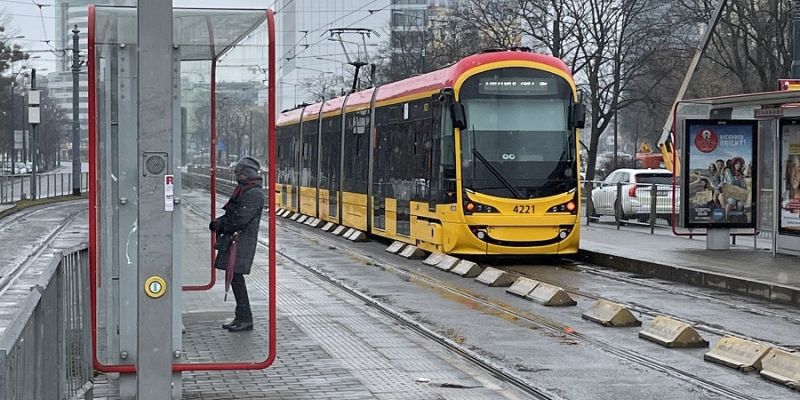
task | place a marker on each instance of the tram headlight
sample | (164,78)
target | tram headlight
(471,207)
(568,207)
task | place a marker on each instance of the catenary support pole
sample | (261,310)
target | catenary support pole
(76,123)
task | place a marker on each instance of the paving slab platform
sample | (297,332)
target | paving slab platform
(742,269)
(330,345)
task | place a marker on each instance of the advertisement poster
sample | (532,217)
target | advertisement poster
(790,178)
(720,179)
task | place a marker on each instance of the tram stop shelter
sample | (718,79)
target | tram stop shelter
(157,306)
(740,163)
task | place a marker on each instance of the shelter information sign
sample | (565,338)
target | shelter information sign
(790,177)
(720,182)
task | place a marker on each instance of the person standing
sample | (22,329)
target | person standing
(237,237)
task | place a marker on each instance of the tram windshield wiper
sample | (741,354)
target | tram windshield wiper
(496,173)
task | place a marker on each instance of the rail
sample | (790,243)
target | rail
(45,349)
(14,188)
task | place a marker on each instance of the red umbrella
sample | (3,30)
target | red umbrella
(231,265)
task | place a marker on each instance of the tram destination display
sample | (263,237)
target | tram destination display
(720,182)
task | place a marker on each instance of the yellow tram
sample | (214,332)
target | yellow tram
(477,158)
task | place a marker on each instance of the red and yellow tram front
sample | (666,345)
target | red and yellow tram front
(517,161)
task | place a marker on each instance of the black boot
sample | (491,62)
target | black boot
(238,316)
(230,324)
(244,319)
(241,327)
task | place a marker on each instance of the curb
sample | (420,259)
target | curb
(761,290)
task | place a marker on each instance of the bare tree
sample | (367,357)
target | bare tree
(323,87)
(54,129)
(752,41)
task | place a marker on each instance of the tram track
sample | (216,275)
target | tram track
(550,325)
(474,358)
(11,273)
(534,319)
(653,312)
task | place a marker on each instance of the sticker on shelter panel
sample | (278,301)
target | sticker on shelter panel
(790,178)
(720,178)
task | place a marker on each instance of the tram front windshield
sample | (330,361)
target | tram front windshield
(518,142)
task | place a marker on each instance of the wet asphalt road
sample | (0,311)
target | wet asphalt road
(558,362)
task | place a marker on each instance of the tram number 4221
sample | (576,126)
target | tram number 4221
(521,209)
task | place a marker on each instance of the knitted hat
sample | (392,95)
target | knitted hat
(248,166)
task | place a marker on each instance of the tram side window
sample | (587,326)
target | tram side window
(308,175)
(285,153)
(356,152)
(402,151)
(331,130)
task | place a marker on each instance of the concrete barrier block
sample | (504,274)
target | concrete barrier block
(412,253)
(522,286)
(782,367)
(357,236)
(315,223)
(340,230)
(550,295)
(295,216)
(395,247)
(466,269)
(286,213)
(433,259)
(744,355)
(447,263)
(607,313)
(495,278)
(328,227)
(672,333)
(302,218)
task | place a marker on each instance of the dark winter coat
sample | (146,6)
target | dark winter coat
(242,215)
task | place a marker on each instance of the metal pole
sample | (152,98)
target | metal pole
(653,205)
(615,141)
(618,205)
(155,111)
(34,144)
(776,183)
(796,40)
(14,140)
(76,124)
(424,38)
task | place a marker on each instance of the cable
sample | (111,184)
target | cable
(328,24)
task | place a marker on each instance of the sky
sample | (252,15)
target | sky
(27,21)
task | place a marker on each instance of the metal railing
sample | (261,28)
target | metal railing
(45,351)
(14,188)
(645,204)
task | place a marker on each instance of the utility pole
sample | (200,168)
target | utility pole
(34,119)
(76,123)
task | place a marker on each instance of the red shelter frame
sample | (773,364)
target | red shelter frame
(94,238)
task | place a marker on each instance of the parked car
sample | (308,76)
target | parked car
(21,168)
(635,186)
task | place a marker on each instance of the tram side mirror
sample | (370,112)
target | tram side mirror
(458,115)
(579,116)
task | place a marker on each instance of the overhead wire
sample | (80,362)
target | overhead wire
(326,25)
